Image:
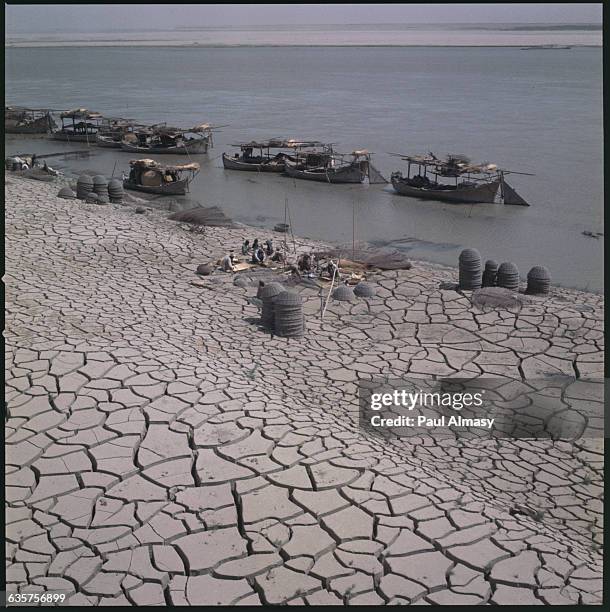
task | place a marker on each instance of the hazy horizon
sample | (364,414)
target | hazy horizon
(34,19)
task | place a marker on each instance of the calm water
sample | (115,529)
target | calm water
(531,111)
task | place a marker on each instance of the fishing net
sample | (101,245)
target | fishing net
(498,298)
(211,216)
(369,256)
(375,177)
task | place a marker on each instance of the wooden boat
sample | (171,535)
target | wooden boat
(265,160)
(114,131)
(108,141)
(253,164)
(545,47)
(330,167)
(150,176)
(78,125)
(466,183)
(169,140)
(20,120)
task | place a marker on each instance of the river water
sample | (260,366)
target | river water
(536,111)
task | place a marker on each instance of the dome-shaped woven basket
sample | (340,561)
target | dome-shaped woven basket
(205,269)
(66,192)
(343,293)
(470,256)
(365,290)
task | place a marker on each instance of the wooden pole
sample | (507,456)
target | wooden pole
(353,229)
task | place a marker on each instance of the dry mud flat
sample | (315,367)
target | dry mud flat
(162,449)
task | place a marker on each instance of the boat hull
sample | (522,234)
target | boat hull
(175,188)
(231,163)
(26,129)
(106,142)
(191,148)
(478,194)
(349,174)
(42,125)
(67,137)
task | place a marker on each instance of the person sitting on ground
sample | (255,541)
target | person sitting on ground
(255,245)
(304,263)
(332,269)
(269,249)
(277,256)
(227,264)
(245,247)
(260,255)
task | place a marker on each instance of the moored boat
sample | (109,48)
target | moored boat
(169,140)
(264,160)
(78,125)
(149,176)
(20,120)
(329,167)
(465,183)
(112,133)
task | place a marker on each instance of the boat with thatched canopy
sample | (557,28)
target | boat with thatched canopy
(78,125)
(112,133)
(263,160)
(150,176)
(169,140)
(329,167)
(454,179)
(21,120)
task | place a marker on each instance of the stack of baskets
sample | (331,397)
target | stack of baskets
(266,294)
(538,280)
(100,187)
(490,273)
(289,321)
(470,269)
(84,186)
(115,191)
(508,276)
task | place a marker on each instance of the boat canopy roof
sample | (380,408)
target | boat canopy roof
(80,113)
(453,164)
(279,143)
(175,132)
(151,164)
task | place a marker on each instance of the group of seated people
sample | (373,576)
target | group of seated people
(258,254)
(306,263)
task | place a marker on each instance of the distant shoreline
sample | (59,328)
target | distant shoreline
(118,44)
